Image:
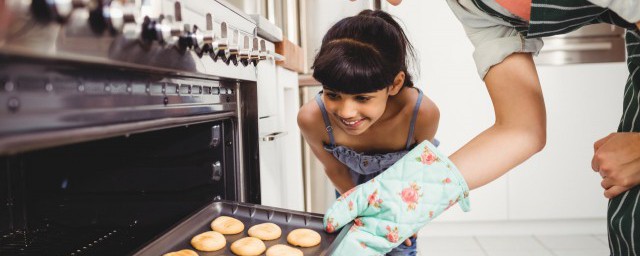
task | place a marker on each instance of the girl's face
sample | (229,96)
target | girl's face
(355,113)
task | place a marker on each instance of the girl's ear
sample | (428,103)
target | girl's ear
(398,81)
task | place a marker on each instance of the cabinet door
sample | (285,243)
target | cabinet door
(267,89)
(270,174)
(291,144)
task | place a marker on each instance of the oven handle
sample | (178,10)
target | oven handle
(273,136)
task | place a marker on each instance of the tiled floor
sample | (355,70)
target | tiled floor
(576,245)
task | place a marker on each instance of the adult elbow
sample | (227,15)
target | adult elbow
(538,138)
(535,136)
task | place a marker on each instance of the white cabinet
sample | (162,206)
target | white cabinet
(291,144)
(281,183)
(267,88)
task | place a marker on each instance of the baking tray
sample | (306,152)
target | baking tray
(179,237)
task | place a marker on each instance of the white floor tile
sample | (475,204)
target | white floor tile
(451,253)
(591,252)
(517,243)
(519,253)
(452,244)
(575,242)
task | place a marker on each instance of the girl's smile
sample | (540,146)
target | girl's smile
(352,124)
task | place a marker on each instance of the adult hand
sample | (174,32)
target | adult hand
(394,205)
(617,159)
(393,2)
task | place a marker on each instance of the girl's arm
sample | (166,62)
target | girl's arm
(520,127)
(312,129)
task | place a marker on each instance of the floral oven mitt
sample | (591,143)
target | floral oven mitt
(397,203)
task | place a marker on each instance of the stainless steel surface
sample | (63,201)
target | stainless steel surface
(19,143)
(590,44)
(56,98)
(165,35)
(106,68)
(133,105)
(247,155)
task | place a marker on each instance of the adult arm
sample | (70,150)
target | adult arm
(520,127)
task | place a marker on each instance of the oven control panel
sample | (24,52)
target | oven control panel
(203,37)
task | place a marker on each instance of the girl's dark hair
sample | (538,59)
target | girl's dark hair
(363,54)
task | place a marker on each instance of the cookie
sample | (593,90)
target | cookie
(248,246)
(227,225)
(265,231)
(209,241)
(303,237)
(185,252)
(283,250)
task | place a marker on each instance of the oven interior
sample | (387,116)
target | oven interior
(111,196)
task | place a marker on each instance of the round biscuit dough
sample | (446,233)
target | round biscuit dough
(248,246)
(283,250)
(209,241)
(227,225)
(265,231)
(304,237)
(185,252)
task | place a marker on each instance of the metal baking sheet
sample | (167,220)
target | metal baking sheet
(179,237)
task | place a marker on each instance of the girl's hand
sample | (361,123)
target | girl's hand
(617,159)
(393,2)
(408,241)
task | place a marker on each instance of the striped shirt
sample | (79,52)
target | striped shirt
(553,17)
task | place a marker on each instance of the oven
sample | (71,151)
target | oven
(126,125)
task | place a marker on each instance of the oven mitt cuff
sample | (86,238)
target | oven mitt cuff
(395,204)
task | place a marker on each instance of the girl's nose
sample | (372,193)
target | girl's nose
(347,110)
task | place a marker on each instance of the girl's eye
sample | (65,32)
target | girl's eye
(331,95)
(362,98)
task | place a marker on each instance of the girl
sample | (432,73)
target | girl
(371,112)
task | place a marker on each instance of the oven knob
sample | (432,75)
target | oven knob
(171,27)
(254,55)
(186,39)
(220,45)
(232,49)
(207,42)
(169,30)
(59,10)
(155,30)
(262,54)
(97,20)
(117,16)
(244,52)
(124,18)
(197,40)
(206,38)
